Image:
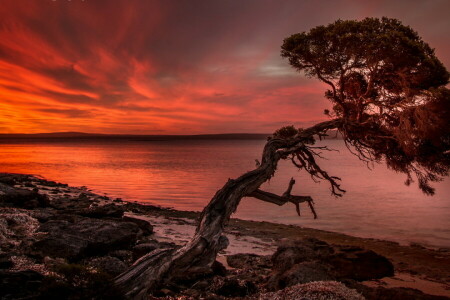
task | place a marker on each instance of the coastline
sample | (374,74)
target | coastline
(415,266)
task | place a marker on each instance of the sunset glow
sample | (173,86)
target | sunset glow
(171,67)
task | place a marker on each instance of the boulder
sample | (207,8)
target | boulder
(382,293)
(8,179)
(5,261)
(359,264)
(83,237)
(297,262)
(303,272)
(291,252)
(20,285)
(104,211)
(218,268)
(108,264)
(248,261)
(124,255)
(142,249)
(22,198)
(236,288)
(43,214)
(144,225)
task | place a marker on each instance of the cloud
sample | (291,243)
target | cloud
(172,66)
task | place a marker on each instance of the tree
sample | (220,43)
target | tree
(390,104)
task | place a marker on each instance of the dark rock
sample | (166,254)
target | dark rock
(108,264)
(299,273)
(71,204)
(5,261)
(29,184)
(22,198)
(381,293)
(360,264)
(194,294)
(201,285)
(83,237)
(124,255)
(52,183)
(248,261)
(218,268)
(236,288)
(20,285)
(291,252)
(297,262)
(105,211)
(144,225)
(8,179)
(164,293)
(44,214)
(142,249)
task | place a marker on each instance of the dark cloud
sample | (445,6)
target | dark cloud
(206,66)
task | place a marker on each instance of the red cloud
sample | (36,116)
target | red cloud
(169,67)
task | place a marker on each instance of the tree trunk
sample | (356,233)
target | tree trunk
(160,266)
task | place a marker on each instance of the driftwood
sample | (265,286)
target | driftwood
(196,257)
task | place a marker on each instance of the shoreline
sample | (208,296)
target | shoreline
(425,269)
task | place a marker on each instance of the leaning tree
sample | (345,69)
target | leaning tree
(389,103)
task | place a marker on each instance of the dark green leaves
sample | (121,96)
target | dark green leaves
(388,87)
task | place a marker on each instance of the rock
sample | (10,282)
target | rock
(43,214)
(218,269)
(142,249)
(124,255)
(317,290)
(381,293)
(108,264)
(194,294)
(144,225)
(20,285)
(83,237)
(360,264)
(165,293)
(7,179)
(105,211)
(70,204)
(236,288)
(22,198)
(16,226)
(299,273)
(291,252)
(5,261)
(345,262)
(248,261)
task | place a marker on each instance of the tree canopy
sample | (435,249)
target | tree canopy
(388,88)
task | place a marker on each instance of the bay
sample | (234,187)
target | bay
(186,174)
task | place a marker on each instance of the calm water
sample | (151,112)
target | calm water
(186,174)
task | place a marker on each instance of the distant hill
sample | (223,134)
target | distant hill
(95,136)
(73,136)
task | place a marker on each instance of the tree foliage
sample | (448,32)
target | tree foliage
(388,88)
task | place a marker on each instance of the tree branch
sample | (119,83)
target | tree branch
(286,197)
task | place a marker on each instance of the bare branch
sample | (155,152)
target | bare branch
(286,197)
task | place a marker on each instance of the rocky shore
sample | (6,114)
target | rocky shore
(62,242)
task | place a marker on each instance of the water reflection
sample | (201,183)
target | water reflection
(185,175)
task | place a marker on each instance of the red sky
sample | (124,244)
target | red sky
(173,67)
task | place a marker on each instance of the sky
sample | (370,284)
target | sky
(173,66)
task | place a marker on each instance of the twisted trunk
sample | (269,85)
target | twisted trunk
(160,266)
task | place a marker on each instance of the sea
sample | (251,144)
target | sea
(185,174)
